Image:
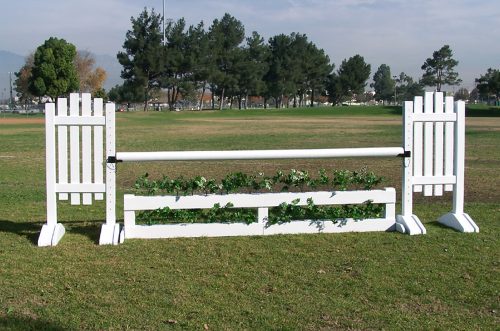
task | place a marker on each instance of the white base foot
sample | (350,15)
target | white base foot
(410,224)
(110,234)
(459,222)
(50,235)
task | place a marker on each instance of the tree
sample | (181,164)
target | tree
(142,59)
(316,68)
(22,81)
(462,94)
(407,88)
(439,70)
(90,79)
(383,83)
(488,84)
(225,36)
(53,73)
(334,89)
(251,68)
(352,75)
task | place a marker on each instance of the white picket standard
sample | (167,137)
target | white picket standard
(85,158)
(443,145)
(433,159)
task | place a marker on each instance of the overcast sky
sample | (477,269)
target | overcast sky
(400,33)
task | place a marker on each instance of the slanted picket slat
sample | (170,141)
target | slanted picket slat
(428,140)
(448,143)
(86,148)
(62,148)
(74,105)
(417,142)
(98,148)
(438,142)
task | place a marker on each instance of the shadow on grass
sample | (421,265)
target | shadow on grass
(26,323)
(484,112)
(31,231)
(480,112)
(89,229)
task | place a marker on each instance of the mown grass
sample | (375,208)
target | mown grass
(443,280)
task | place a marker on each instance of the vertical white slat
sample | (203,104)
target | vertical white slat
(459,164)
(408,130)
(110,167)
(74,105)
(448,143)
(50,163)
(98,148)
(86,148)
(418,135)
(438,142)
(62,149)
(428,140)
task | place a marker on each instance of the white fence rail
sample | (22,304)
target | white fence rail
(262,202)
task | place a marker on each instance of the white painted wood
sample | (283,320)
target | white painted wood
(51,234)
(259,154)
(411,224)
(438,141)
(50,163)
(433,180)
(460,222)
(262,215)
(418,136)
(193,230)
(62,142)
(98,148)
(340,226)
(82,120)
(110,167)
(449,142)
(74,106)
(459,164)
(81,188)
(241,229)
(428,141)
(128,218)
(86,148)
(436,117)
(407,187)
(257,200)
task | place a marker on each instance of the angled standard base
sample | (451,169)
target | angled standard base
(51,234)
(110,234)
(459,222)
(410,225)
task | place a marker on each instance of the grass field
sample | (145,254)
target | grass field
(443,280)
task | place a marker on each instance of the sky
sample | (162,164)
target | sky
(399,33)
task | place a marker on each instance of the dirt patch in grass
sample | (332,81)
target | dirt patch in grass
(19,120)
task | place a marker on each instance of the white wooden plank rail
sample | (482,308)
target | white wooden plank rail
(433,151)
(260,201)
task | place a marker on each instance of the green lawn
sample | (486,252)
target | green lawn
(443,280)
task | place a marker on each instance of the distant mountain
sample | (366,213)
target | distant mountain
(11,62)
(113,69)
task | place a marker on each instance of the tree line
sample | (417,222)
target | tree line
(285,70)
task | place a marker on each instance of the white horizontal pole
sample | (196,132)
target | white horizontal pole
(259,154)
